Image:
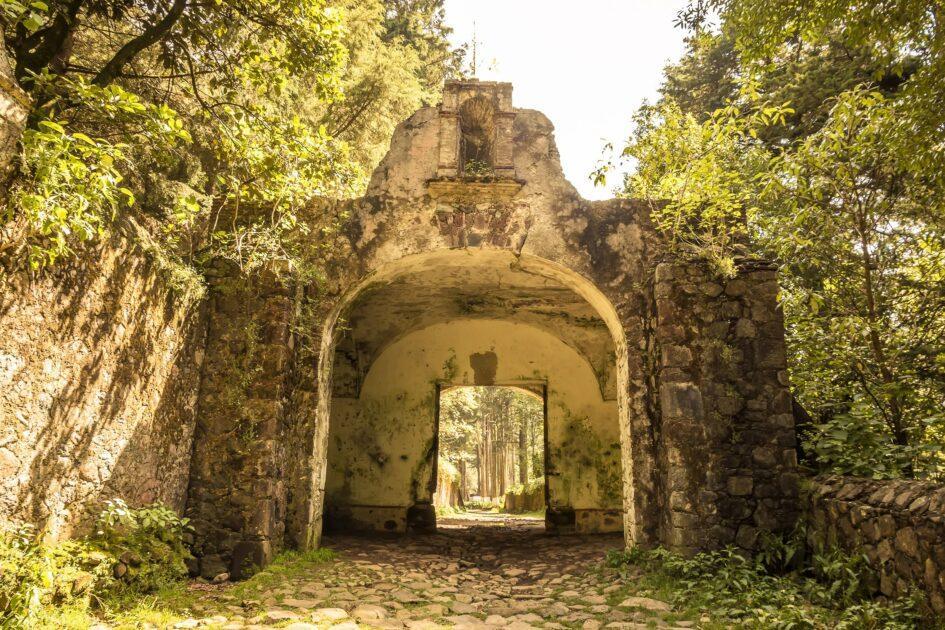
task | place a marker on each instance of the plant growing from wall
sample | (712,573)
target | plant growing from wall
(477,168)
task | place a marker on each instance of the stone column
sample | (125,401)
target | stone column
(726,446)
(237,494)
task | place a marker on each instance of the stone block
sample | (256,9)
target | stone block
(676,356)
(747,537)
(907,542)
(681,400)
(247,555)
(740,486)
(765,456)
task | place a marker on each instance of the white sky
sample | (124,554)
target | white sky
(587,65)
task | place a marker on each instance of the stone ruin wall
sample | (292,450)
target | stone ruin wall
(710,432)
(99,369)
(899,525)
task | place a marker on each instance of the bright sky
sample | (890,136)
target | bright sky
(587,65)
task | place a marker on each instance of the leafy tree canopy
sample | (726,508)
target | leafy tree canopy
(812,133)
(251,104)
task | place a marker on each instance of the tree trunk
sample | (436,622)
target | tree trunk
(522,456)
(894,417)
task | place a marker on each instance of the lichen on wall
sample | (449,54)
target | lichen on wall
(587,454)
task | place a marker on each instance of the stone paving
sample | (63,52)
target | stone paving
(479,571)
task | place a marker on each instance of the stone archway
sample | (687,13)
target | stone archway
(699,375)
(473,318)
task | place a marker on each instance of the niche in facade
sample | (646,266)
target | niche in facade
(477,137)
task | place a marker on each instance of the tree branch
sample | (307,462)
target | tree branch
(129,51)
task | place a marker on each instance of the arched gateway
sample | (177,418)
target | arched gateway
(471,260)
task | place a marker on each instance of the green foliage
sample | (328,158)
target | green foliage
(700,176)
(132,552)
(25,574)
(148,543)
(903,37)
(71,185)
(486,504)
(285,102)
(28,15)
(477,168)
(287,564)
(398,57)
(736,591)
(73,190)
(857,443)
(810,134)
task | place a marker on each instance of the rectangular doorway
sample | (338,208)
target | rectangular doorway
(491,455)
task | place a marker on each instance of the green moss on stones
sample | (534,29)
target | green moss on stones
(583,448)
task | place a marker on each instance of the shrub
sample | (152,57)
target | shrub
(131,551)
(147,545)
(34,575)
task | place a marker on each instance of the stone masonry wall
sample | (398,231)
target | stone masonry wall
(899,525)
(727,449)
(237,497)
(99,366)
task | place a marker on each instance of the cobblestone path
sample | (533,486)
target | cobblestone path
(479,571)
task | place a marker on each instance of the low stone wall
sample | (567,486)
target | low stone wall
(99,368)
(899,525)
(525,499)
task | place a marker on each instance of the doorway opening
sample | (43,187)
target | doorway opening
(491,456)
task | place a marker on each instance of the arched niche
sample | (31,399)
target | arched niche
(477,137)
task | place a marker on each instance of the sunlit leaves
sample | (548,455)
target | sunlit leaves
(701,175)
(29,15)
(72,183)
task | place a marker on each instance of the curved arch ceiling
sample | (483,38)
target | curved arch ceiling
(473,287)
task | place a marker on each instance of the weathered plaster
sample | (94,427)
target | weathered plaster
(378,445)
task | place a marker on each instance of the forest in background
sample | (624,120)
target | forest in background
(812,133)
(493,438)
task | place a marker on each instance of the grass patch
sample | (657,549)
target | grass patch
(286,567)
(736,592)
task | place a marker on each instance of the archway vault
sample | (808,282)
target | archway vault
(471,318)
(694,363)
